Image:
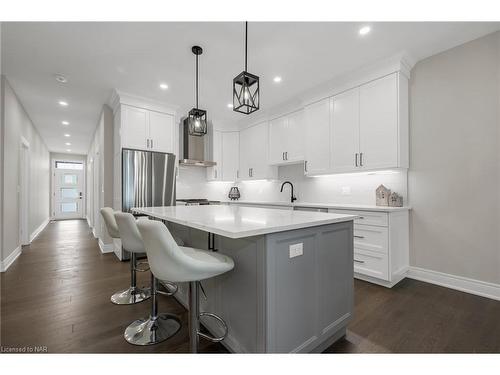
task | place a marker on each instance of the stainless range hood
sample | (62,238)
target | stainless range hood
(193,148)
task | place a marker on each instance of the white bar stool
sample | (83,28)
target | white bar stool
(168,261)
(132,294)
(157,327)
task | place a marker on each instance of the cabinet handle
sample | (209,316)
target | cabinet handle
(238,173)
(251,171)
(147,143)
(286,155)
(283,156)
(361,159)
(356,159)
(152,143)
(361,217)
(359,261)
(355,236)
(305,166)
(215,173)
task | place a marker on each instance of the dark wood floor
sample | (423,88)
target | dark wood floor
(57,293)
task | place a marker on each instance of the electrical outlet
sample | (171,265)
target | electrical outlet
(346,190)
(296,250)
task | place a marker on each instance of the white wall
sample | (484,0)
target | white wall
(16,124)
(454,179)
(100,174)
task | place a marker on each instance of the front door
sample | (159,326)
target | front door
(68,190)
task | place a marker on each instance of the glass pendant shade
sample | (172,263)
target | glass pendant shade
(197,122)
(246,93)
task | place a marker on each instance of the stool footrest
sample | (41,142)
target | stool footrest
(141,269)
(170,287)
(221,321)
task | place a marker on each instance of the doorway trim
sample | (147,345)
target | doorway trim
(24,191)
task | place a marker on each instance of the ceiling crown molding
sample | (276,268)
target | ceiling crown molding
(119,97)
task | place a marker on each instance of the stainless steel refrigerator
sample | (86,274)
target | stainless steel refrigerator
(148,180)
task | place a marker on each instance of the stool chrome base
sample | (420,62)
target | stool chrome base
(152,331)
(131,295)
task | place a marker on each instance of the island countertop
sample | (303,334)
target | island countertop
(240,222)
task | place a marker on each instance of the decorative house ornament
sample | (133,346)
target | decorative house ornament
(197,118)
(382,194)
(246,87)
(395,200)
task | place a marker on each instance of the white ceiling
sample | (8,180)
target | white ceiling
(136,57)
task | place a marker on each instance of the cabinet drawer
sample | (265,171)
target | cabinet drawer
(371,264)
(366,217)
(371,237)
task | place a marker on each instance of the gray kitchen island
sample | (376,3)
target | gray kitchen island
(291,289)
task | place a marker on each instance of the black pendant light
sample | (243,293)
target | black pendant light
(246,87)
(197,118)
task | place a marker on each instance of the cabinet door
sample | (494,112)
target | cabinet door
(161,132)
(214,173)
(134,131)
(294,137)
(278,140)
(253,153)
(317,137)
(345,131)
(379,123)
(230,155)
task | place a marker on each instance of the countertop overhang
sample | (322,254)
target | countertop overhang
(239,222)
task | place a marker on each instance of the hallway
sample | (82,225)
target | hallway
(56,295)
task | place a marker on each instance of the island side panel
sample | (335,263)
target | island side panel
(309,296)
(237,296)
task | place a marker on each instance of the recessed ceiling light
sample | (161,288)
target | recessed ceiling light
(68,144)
(65,122)
(277,79)
(60,78)
(230,105)
(364,30)
(163,86)
(68,150)
(66,135)
(63,103)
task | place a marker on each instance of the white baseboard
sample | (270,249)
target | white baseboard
(5,264)
(464,284)
(37,231)
(106,248)
(93,233)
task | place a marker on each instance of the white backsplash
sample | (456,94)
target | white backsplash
(353,188)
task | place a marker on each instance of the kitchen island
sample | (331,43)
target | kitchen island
(291,289)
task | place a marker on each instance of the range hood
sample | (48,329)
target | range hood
(193,148)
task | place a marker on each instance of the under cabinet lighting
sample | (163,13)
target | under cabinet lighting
(364,30)
(387,172)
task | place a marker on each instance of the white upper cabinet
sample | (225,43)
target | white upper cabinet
(345,131)
(143,129)
(225,152)
(214,173)
(317,137)
(378,121)
(161,132)
(254,153)
(286,139)
(134,129)
(230,155)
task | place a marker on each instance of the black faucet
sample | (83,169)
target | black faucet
(292,197)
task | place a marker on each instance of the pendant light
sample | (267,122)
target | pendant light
(246,87)
(197,118)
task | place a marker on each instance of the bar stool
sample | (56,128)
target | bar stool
(132,294)
(157,327)
(168,261)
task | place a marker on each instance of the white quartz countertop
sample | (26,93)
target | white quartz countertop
(359,207)
(237,222)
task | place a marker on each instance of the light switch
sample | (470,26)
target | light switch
(296,250)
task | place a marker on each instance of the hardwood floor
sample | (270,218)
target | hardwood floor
(57,293)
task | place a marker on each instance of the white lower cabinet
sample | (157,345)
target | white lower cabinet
(381,245)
